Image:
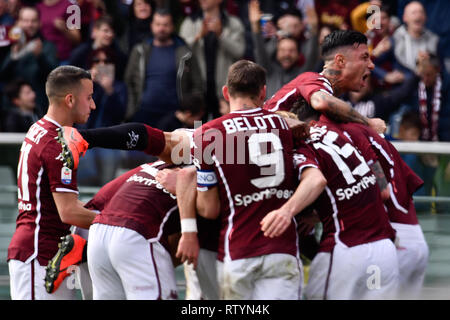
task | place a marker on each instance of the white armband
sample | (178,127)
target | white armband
(206,178)
(189,225)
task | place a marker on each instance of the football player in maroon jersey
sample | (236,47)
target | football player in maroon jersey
(412,249)
(339,182)
(47,190)
(347,64)
(231,154)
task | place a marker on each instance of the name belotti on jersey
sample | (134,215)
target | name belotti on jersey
(245,200)
(363,184)
(271,121)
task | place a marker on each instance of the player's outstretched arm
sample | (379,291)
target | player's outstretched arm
(129,136)
(311,186)
(341,111)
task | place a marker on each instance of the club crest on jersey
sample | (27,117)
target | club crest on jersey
(66,175)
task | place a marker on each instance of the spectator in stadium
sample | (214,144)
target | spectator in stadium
(23,113)
(31,57)
(103,37)
(325,30)
(160,72)
(335,12)
(88,16)
(381,47)
(410,127)
(54,15)
(217,40)
(308,10)
(427,102)
(110,97)
(48,199)
(191,110)
(285,64)
(5,18)
(141,12)
(413,38)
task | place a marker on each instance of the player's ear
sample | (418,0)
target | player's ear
(339,60)
(262,94)
(226,93)
(69,100)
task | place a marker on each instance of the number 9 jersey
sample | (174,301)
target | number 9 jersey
(247,154)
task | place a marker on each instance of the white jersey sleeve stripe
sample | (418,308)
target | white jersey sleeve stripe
(66,190)
(38,216)
(283,99)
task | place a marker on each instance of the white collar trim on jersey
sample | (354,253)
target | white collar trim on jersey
(247,111)
(46,117)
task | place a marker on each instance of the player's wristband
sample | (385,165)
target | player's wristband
(206,179)
(189,225)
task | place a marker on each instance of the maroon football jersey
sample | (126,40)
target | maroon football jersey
(397,172)
(248,154)
(40,172)
(302,86)
(350,208)
(141,204)
(102,197)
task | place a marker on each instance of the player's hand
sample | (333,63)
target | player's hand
(188,248)
(275,223)
(60,24)
(299,129)
(168,179)
(377,124)
(385,195)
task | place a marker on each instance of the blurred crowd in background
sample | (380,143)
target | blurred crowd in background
(164,63)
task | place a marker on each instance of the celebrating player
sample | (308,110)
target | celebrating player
(357,238)
(347,64)
(47,190)
(244,170)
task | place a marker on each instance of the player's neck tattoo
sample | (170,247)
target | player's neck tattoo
(333,75)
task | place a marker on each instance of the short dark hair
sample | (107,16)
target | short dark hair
(163,12)
(288,37)
(193,103)
(291,11)
(433,60)
(12,89)
(411,119)
(105,19)
(303,110)
(245,78)
(65,79)
(341,38)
